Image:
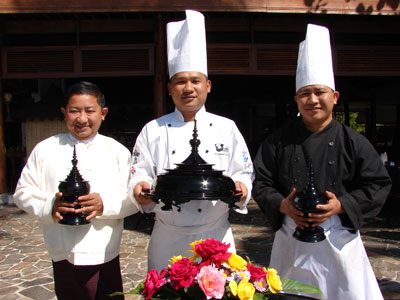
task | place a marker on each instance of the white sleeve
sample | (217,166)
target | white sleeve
(117,205)
(241,167)
(142,169)
(31,193)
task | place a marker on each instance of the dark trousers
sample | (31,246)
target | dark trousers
(87,282)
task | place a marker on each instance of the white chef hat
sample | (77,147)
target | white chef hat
(314,63)
(186,44)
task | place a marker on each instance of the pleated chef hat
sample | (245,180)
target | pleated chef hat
(186,44)
(314,63)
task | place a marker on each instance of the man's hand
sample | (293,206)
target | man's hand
(60,206)
(287,208)
(92,205)
(140,188)
(240,188)
(333,207)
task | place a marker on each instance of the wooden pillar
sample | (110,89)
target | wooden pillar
(160,76)
(3,158)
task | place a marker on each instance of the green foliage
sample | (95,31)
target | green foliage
(259,296)
(136,291)
(353,123)
(294,286)
(195,293)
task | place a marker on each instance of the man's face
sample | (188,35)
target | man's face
(189,91)
(83,116)
(315,103)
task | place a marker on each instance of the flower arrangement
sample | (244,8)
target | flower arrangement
(214,273)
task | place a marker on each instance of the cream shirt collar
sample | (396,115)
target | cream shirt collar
(76,141)
(199,114)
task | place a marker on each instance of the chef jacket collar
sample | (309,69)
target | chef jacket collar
(304,129)
(76,141)
(199,114)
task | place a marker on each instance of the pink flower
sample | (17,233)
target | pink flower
(255,272)
(154,282)
(212,282)
(212,251)
(261,285)
(182,273)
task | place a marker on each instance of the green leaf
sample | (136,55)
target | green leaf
(294,286)
(248,260)
(136,291)
(258,296)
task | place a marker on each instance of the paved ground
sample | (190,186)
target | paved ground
(26,272)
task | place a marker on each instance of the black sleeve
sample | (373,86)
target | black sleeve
(265,186)
(367,192)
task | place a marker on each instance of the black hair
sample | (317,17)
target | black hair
(85,88)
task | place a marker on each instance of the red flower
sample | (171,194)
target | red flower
(212,251)
(154,282)
(256,273)
(182,273)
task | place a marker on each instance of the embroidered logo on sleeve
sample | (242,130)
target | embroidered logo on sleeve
(135,155)
(247,162)
(133,170)
(245,156)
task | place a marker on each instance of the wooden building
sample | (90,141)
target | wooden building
(252,53)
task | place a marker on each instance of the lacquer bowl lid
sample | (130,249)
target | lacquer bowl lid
(193,179)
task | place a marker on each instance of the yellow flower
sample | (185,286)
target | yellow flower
(234,287)
(193,245)
(274,281)
(246,290)
(174,259)
(243,275)
(237,262)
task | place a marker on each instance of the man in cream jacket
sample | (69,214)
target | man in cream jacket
(85,257)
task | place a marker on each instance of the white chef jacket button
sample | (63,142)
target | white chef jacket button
(173,151)
(210,124)
(206,151)
(199,210)
(169,125)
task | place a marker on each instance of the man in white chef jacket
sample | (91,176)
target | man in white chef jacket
(164,142)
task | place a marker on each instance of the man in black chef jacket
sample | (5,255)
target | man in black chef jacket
(347,169)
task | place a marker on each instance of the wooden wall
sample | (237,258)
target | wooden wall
(292,6)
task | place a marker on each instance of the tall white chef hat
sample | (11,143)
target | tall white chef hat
(314,63)
(186,44)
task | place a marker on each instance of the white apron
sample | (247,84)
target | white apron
(168,240)
(339,265)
